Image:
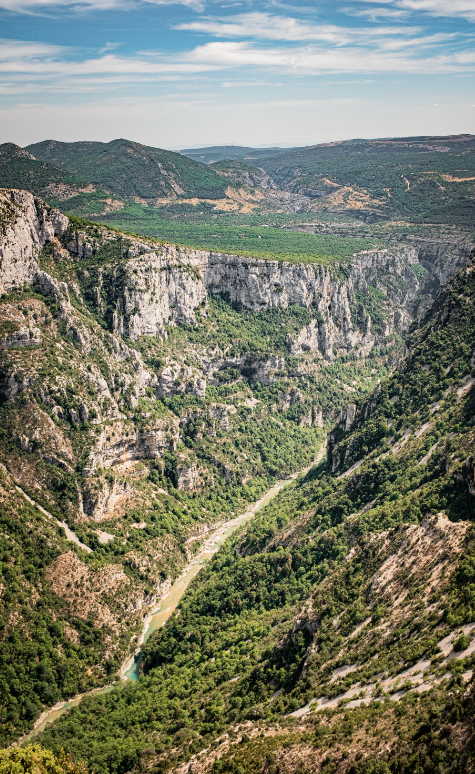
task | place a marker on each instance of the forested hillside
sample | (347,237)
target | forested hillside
(421,179)
(214,153)
(129,169)
(335,631)
(20,169)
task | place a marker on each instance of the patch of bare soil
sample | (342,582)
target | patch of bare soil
(422,556)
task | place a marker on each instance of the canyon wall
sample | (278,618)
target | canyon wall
(162,284)
(169,284)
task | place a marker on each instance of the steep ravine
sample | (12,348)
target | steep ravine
(168,603)
(148,392)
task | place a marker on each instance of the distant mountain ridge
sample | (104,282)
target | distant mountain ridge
(131,170)
(19,168)
(227,152)
(421,179)
(213,153)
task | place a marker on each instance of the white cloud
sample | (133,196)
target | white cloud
(55,68)
(41,6)
(464,9)
(313,60)
(270,27)
(374,14)
(25,50)
(39,61)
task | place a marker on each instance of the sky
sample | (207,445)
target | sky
(194,73)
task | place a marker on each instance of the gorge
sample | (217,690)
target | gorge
(154,396)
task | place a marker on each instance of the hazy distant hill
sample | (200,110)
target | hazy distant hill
(222,152)
(132,170)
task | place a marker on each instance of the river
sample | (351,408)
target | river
(131,668)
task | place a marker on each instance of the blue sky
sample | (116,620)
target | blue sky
(194,73)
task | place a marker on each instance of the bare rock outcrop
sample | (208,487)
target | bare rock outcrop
(187,476)
(159,287)
(119,443)
(26,225)
(169,284)
(24,337)
(101,498)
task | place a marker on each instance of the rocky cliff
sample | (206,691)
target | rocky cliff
(26,225)
(160,284)
(168,284)
(361,428)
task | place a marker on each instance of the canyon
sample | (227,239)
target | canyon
(149,392)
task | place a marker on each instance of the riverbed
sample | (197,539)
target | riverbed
(131,668)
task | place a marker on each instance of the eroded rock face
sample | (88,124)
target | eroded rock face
(169,284)
(119,443)
(24,337)
(26,225)
(159,287)
(258,284)
(176,379)
(187,477)
(467,475)
(100,498)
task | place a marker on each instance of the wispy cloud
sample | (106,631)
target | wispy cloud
(376,14)
(271,27)
(28,51)
(23,62)
(464,9)
(78,6)
(39,61)
(351,59)
(109,47)
(246,84)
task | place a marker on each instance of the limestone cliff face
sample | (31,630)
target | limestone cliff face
(258,284)
(26,224)
(101,498)
(163,284)
(158,288)
(120,443)
(169,284)
(342,440)
(24,337)
(410,274)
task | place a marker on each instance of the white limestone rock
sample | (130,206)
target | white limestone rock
(24,337)
(26,225)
